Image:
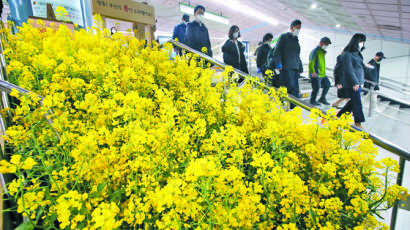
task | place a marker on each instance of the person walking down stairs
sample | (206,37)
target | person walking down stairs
(372,75)
(317,72)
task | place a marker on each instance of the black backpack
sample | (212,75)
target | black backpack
(338,71)
(270,63)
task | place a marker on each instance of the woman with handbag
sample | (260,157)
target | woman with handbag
(353,78)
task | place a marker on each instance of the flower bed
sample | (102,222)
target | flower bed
(139,141)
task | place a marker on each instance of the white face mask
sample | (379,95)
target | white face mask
(296,32)
(200,17)
(361,45)
(325,47)
(235,35)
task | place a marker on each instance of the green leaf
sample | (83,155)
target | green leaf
(94,195)
(117,195)
(100,187)
(25,226)
(312,215)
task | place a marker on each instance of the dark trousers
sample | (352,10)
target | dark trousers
(317,83)
(354,105)
(289,78)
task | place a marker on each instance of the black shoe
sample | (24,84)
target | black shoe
(315,103)
(323,101)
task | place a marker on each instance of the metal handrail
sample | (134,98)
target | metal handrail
(374,83)
(292,99)
(400,101)
(395,82)
(381,94)
(404,154)
(382,114)
(383,143)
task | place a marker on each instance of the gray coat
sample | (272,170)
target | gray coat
(352,69)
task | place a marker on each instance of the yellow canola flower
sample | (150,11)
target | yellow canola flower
(29,163)
(137,139)
(104,217)
(6,167)
(15,159)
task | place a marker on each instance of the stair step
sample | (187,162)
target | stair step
(371,121)
(384,126)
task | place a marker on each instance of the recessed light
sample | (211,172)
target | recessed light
(313,6)
(338,25)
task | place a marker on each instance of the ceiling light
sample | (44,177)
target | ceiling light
(338,25)
(313,6)
(238,6)
(187,9)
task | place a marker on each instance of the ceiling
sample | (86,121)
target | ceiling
(385,18)
(381,19)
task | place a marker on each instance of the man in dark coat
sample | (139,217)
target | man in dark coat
(180,29)
(287,59)
(372,75)
(197,36)
(372,71)
(179,32)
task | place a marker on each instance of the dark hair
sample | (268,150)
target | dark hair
(296,22)
(260,43)
(112,30)
(185,17)
(353,44)
(199,7)
(267,37)
(232,30)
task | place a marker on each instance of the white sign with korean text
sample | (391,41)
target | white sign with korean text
(73,8)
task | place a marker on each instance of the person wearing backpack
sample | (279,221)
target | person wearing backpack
(338,74)
(353,77)
(270,64)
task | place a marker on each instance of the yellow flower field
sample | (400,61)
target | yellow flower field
(139,141)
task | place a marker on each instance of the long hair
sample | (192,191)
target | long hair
(353,45)
(233,30)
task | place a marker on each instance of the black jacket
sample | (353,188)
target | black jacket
(230,55)
(373,74)
(262,55)
(197,37)
(352,69)
(287,53)
(179,32)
